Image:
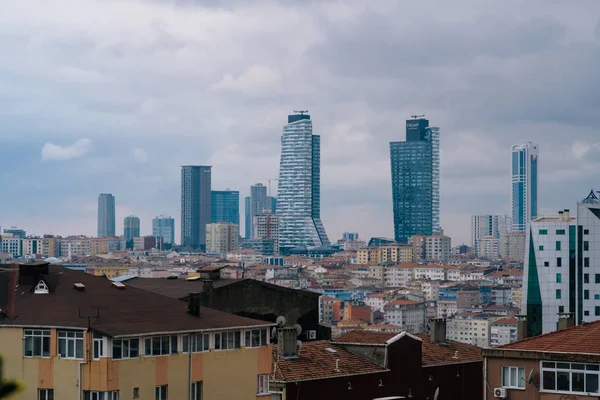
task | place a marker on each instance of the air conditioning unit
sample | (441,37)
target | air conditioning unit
(500,393)
(312,335)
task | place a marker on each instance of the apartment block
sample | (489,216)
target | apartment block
(221,237)
(488,247)
(393,253)
(471,328)
(511,246)
(11,244)
(71,336)
(437,248)
(408,314)
(503,331)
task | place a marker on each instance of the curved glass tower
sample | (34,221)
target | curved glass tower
(299,189)
(524,185)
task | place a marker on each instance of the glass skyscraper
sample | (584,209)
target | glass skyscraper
(524,185)
(106,215)
(195,205)
(225,206)
(164,227)
(247,218)
(131,227)
(258,203)
(299,189)
(415,167)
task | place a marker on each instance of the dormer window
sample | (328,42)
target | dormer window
(41,288)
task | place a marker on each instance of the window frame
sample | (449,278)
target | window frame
(199,343)
(223,340)
(161,340)
(196,390)
(30,336)
(110,395)
(585,370)
(77,339)
(158,395)
(262,384)
(251,334)
(129,347)
(48,394)
(510,368)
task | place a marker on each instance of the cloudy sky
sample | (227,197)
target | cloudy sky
(115,95)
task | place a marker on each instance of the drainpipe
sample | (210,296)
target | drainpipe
(190,367)
(484,378)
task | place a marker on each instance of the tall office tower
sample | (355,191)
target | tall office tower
(225,206)
(524,185)
(415,167)
(258,203)
(488,226)
(164,227)
(299,189)
(562,268)
(272,203)
(247,218)
(350,236)
(195,205)
(106,215)
(131,227)
(221,237)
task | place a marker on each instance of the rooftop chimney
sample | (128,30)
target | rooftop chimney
(287,345)
(565,320)
(194,304)
(437,330)
(521,327)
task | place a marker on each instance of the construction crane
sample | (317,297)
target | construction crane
(417,116)
(301,112)
(268,180)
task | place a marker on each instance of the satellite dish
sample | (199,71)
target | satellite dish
(298,329)
(280,321)
(531,375)
(274,332)
(299,344)
(437,393)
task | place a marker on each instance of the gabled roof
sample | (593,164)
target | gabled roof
(432,354)
(114,311)
(583,339)
(316,362)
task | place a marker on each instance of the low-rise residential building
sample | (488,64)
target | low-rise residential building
(386,254)
(408,314)
(437,248)
(563,364)
(69,335)
(503,331)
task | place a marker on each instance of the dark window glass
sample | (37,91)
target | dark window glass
(117,349)
(577,382)
(591,383)
(549,380)
(562,381)
(586,278)
(558,262)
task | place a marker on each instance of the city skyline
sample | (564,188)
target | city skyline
(130,130)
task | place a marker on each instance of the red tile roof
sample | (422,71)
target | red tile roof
(315,362)
(402,303)
(505,321)
(432,354)
(578,339)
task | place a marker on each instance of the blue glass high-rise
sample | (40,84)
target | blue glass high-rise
(225,206)
(195,205)
(415,165)
(247,218)
(106,215)
(164,227)
(524,185)
(299,189)
(131,227)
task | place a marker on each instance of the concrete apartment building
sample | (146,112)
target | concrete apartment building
(69,335)
(437,248)
(511,246)
(408,314)
(471,328)
(266,226)
(488,247)
(391,253)
(564,364)
(503,331)
(221,237)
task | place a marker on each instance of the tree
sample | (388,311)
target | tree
(7,388)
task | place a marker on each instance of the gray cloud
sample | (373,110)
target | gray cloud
(211,81)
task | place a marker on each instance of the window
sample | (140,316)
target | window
(161,392)
(543,231)
(558,245)
(546,263)
(561,309)
(586,231)
(256,338)
(200,342)
(126,348)
(160,345)
(560,231)
(541,247)
(513,377)
(597,311)
(227,340)
(586,245)
(586,278)
(558,262)
(98,346)
(597,278)
(586,294)
(586,262)
(36,343)
(45,394)
(586,313)
(196,390)
(136,392)
(263,384)
(570,377)
(95,395)
(558,294)
(558,278)
(70,344)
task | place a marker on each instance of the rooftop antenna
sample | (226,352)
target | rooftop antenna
(301,112)
(415,116)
